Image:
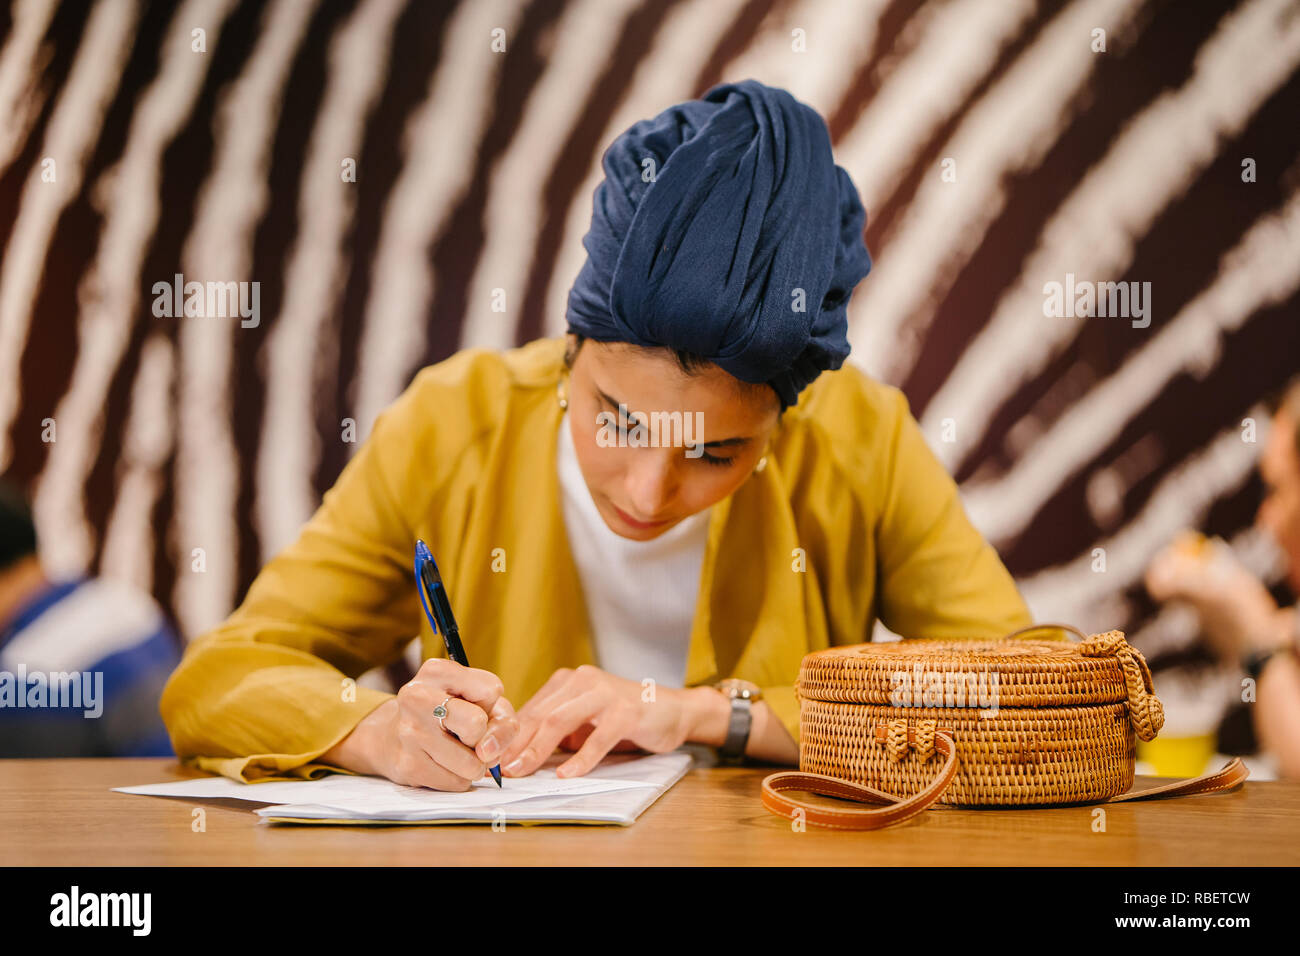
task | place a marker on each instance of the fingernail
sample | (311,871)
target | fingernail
(514,765)
(491,747)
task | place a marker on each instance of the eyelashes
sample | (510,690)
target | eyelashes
(716,461)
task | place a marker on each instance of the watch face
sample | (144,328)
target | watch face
(740,688)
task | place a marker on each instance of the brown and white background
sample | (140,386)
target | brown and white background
(390,171)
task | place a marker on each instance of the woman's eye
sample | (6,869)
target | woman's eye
(623,424)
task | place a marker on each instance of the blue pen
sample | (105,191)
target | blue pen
(427,579)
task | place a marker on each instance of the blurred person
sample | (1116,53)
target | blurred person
(82,661)
(1238,615)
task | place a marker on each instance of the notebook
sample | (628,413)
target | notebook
(616,792)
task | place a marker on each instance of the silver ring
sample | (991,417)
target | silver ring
(440,712)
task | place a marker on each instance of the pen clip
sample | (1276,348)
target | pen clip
(422,555)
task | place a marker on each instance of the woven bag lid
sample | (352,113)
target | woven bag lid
(1011,672)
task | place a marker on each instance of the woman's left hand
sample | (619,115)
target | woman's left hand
(609,710)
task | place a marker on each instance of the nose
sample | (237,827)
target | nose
(651,482)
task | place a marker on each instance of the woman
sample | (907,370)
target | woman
(638,587)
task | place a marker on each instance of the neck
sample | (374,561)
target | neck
(19,583)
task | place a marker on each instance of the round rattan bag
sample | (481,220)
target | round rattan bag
(1032,719)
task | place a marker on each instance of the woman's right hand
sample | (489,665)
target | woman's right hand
(402,740)
(1237,612)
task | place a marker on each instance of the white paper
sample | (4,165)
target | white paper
(617,791)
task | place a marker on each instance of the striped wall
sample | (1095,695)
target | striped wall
(997,148)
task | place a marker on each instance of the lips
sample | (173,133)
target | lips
(633,521)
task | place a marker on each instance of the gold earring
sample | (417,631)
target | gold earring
(562,393)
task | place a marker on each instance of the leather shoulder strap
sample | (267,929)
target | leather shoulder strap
(1234,772)
(890,809)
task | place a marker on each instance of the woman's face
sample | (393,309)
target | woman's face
(641,489)
(1279,512)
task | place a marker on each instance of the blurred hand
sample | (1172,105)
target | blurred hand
(1237,613)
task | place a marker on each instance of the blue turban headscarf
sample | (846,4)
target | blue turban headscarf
(710,216)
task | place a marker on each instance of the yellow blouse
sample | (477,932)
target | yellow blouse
(852,519)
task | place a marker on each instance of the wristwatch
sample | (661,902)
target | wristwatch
(743,694)
(1253,662)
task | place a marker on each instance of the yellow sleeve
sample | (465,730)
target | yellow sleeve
(272,688)
(784,703)
(938,577)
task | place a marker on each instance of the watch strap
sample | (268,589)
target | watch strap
(742,718)
(1255,662)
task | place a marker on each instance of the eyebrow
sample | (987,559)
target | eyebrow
(720,443)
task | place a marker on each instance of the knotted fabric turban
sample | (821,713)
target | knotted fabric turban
(724,227)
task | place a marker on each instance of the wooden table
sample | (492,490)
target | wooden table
(62,812)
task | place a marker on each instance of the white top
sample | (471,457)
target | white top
(640,595)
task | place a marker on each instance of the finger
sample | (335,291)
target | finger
(501,732)
(554,692)
(1166,576)
(468,720)
(448,752)
(503,710)
(419,730)
(1157,581)
(574,741)
(465,720)
(563,685)
(554,683)
(416,768)
(468,683)
(565,718)
(597,745)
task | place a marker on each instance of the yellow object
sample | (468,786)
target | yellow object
(1177,756)
(853,518)
(1194,545)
